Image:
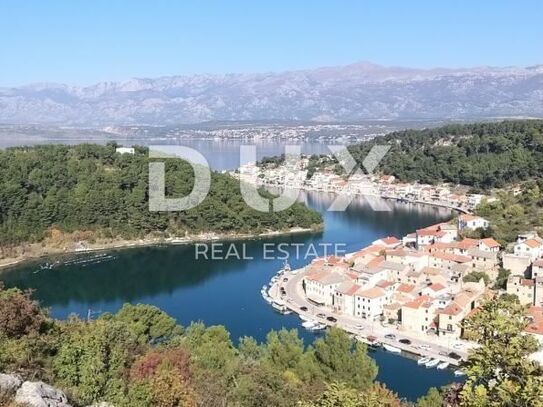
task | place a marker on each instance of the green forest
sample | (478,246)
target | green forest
(480,155)
(141,357)
(92,188)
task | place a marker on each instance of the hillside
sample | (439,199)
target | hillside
(480,155)
(360,91)
(92,188)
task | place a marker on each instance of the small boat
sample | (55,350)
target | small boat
(286,267)
(432,363)
(443,365)
(309,324)
(318,327)
(280,306)
(459,373)
(304,318)
(423,361)
(391,348)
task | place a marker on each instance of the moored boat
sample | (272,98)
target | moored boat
(309,324)
(286,267)
(280,306)
(423,361)
(391,348)
(432,363)
(459,373)
(443,365)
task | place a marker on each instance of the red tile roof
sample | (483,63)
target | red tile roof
(536,326)
(437,287)
(489,242)
(418,302)
(406,288)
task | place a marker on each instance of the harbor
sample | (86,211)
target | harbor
(285,294)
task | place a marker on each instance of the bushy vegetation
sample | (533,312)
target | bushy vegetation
(92,188)
(141,357)
(512,214)
(481,155)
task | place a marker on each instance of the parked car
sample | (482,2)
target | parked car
(458,346)
(285,280)
(405,341)
(360,327)
(425,347)
(391,337)
(455,356)
(321,315)
(331,319)
(304,308)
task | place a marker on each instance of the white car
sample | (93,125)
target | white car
(425,347)
(458,346)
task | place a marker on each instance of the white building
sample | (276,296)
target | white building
(321,286)
(466,221)
(125,150)
(532,248)
(369,303)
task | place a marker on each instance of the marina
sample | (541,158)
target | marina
(431,354)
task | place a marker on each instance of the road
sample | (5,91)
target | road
(421,344)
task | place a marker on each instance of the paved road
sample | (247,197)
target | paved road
(421,344)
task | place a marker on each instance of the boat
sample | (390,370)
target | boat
(443,365)
(286,267)
(309,324)
(280,307)
(391,348)
(459,373)
(317,327)
(304,318)
(423,361)
(432,363)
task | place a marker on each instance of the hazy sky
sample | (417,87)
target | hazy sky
(81,42)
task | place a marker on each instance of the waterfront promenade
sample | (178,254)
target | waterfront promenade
(421,344)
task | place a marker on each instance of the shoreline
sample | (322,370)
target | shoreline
(361,329)
(151,242)
(397,198)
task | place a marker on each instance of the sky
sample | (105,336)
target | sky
(81,42)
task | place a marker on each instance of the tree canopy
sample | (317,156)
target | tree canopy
(481,155)
(90,187)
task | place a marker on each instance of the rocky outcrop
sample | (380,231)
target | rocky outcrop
(35,394)
(9,383)
(39,394)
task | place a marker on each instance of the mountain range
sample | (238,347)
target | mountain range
(356,92)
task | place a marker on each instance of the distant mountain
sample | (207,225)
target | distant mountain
(360,91)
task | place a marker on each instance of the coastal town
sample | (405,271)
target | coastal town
(408,293)
(295,175)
